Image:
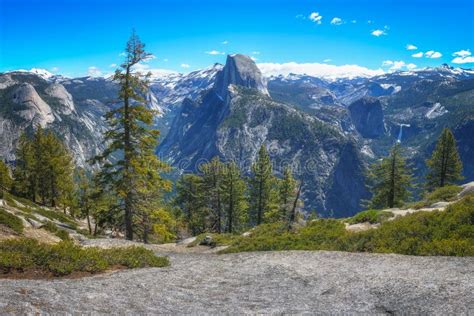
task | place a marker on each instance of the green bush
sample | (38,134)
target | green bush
(446,193)
(371,216)
(11,221)
(61,233)
(65,257)
(447,233)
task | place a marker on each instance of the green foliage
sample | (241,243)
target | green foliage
(234,190)
(449,233)
(390,181)
(442,194)
(65,257)
(61,233)
(371,216)
(43,169)
(263,188)
(190,198)
(445,166)
(5,179)
(11,221)
(130,169)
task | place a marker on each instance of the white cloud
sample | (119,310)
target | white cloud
(300,16)
(433,54)
(215,52)
(93,71)
(463,60)
(155,72)
(336,21)
(378,33)
(253,58)
(318,70)
(255,53)
(225,42)
(417,55)
(185,66)
(397,65)
(327,60)
(462,53)
(315,17)
(55,69)
(463,57)
(411,47)
(113,65)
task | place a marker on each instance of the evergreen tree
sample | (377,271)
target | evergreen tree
(213,186)
(24,174)
(5,179)
(263,196)
(390,180)
(287,193)
(445,166)
(190,198)
(44,169)
(130,169)
(234,197)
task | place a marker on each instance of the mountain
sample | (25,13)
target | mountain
(237,115)
(331,127)
(74,107)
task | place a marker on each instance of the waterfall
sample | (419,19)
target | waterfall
(400,133)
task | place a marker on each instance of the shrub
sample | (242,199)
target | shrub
(61,233)
(446,193)
(11,221)
(371,216)
(65,257)
(448,233)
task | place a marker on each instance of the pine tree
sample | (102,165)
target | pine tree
(390,180)
(287,193)
(263,195)
(5,179)
(213,186)
(190,199)
(24,174)
(234,197)
(445,166)
(134,177)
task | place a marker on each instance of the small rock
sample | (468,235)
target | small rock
(439,205)
(187,241)
(246,234)
(468,188)
(208,241)
(34,223)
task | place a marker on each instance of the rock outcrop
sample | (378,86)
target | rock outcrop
(242,71)
(66,104)
(367,116)
(32,108)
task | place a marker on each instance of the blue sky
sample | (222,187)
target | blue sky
(75,38)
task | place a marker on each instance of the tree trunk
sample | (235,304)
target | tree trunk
(391,196)
(295,204)
(89,223)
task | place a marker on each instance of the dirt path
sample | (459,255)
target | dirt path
(263,282)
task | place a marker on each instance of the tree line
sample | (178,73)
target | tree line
(220,199)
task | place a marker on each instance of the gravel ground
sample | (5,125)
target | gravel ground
(264,282)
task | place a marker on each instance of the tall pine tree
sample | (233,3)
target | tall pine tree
(190,198)
(263,194)
(213,186)
(234,196)
(287,193)
(390,180)
(130,167)
(445,166)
